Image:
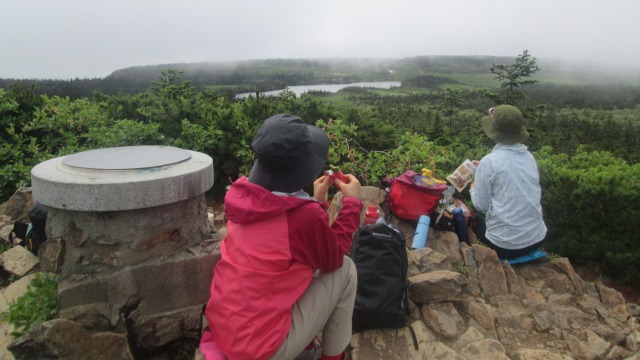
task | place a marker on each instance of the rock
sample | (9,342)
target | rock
(156,312)
(14,291)
(51,254)
(593,347)
(614,301)
(618,353)
(5,340)
(94,317)
(436,286)
(490,273)
(591,305)
(513,283)
(543,320)
(471,269)
(446,243)
(597,345)
(633,341)
(18,261)
(443,319)
(64,339)
(483,315)
(396,344)
(470,336)
(5,232)
(560,299)
(426,260)
(565,266)
(18,205)
(485,349)
(547,275)
(511,314)
(536,354)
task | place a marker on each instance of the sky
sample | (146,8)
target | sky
(66,39)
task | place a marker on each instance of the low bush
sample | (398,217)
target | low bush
(37,305)
(591,206)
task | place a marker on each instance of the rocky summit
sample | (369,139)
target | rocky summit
(466,304)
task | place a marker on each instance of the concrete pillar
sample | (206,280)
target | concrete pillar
(127,231)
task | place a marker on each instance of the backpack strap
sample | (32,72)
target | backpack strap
(413,335)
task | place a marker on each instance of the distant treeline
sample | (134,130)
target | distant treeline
(230,78)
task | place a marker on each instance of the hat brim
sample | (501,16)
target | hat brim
(300,176)
(500,137)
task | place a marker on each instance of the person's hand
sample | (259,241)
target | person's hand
(475,162)
(321,188)
(351,187)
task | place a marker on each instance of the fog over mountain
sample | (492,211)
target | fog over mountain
(74,38)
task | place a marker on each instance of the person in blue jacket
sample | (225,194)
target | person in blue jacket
(507,188)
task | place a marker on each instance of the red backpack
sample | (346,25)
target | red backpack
(408,200)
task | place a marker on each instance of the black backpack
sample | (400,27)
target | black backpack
(31,235)
(380,255)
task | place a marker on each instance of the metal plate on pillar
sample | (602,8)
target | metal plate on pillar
(127,158)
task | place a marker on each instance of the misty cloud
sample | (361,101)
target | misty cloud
(72,38)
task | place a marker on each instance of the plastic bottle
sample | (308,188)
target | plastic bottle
(460,225)
(371,215)
(422,230)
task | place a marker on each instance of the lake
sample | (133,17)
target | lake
(332,88)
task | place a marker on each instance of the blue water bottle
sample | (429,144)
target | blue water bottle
(422,230)
(460,225)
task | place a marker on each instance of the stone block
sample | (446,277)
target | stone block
(165,286)
(443,319)
(436,286)
(427,260)
(65,339)
(485,349)
(14,291)
(490,273)
(18,261)
(18,205)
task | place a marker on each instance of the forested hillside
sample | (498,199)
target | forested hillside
(585,129)
(272,74)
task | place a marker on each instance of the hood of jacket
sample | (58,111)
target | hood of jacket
(246,202)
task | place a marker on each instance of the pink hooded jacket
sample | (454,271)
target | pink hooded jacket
(273,245)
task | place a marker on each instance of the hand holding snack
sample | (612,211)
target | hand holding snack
(350,187)
(321,188)
(334,176)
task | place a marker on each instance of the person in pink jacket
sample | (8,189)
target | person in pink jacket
(283,276)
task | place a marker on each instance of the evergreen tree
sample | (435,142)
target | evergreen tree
(512,77)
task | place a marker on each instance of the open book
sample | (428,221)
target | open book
(463,175)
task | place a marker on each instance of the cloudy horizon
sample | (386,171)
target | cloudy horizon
(47,39)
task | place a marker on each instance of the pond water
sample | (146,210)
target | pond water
(332,88)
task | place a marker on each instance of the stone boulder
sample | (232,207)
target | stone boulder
(65,339)
(18,205)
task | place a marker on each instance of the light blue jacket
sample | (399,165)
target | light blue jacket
(507,188)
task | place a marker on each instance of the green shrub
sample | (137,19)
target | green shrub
(591,203)
(35,306)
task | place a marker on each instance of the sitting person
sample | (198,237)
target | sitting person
(507,188)
(267,299)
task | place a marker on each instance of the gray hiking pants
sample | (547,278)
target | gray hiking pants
(326,306)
